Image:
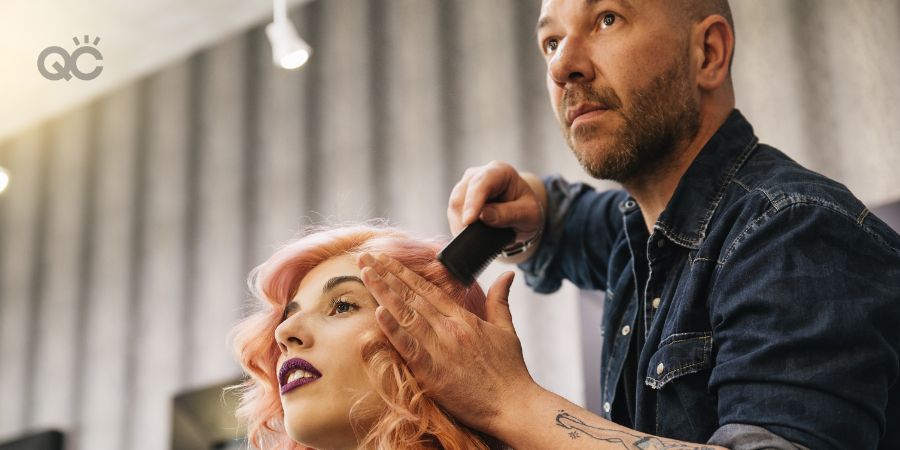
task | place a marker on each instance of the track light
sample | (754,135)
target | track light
(289,51)
(4,179)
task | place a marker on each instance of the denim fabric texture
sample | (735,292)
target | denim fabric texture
(767,295)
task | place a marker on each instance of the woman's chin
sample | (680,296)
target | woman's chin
(317,428)
(321,438)
(323,422)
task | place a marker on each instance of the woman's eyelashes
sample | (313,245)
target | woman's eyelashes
(289,310)
(342,305)
(337,305)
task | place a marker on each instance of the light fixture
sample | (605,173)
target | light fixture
(289,51)
(4,179)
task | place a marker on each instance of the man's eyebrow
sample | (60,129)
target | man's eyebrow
(334,282)
(588,4)
(542,23)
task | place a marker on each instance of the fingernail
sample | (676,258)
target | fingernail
(367,259)
(368,274)
(489,215)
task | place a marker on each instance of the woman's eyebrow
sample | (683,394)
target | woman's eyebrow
(334,282)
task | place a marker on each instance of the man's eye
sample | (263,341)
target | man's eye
(551,45)
(607,20)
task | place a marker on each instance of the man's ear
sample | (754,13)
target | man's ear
(714,42)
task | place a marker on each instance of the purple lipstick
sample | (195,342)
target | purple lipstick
(296,372)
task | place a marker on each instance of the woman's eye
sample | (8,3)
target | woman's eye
(551,45)
(607,20)
(342,306)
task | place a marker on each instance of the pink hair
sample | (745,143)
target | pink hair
(411,420)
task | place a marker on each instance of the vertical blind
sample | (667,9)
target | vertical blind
(132,222)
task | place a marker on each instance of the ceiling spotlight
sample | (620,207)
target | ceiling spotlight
(4,179)
(289,51)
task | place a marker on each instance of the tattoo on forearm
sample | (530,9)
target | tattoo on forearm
(629,441)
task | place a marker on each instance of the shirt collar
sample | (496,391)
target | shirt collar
(687,215)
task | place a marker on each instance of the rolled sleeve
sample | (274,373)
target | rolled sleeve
(736,436)
(578,233)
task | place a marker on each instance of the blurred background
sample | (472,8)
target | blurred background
(139,200)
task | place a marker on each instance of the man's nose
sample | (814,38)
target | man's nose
(293,333)
(571,63)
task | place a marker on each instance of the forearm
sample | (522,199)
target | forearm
(544,420)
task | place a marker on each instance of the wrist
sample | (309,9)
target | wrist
(519,248)
(514,410)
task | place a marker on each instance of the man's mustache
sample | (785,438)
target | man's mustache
(582,94)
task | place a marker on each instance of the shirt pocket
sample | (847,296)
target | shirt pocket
(679,355)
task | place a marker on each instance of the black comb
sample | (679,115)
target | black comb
(470,252)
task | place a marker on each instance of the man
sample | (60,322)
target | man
(750,303)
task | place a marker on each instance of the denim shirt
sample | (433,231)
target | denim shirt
(766,296)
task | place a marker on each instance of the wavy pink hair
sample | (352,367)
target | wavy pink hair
(411,420)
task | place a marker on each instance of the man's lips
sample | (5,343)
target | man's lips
(296,372)
(580,110)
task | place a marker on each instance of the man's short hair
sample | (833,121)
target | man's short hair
(696,10)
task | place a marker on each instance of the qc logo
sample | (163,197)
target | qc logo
(65,64)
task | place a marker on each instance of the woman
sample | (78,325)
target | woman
(321,373)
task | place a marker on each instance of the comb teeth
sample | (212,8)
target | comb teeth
(472,250)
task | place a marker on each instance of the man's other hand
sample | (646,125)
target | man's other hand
(501,197)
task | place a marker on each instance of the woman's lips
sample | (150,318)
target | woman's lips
(296,372)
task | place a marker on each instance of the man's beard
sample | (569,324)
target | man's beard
(659,118)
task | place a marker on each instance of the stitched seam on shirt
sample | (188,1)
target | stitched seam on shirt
(765,194)
(707,260)
(686,337)
(745,232)
(862,216)
(744,186)
(609,366)
(682,370)
(714,204)
(686,369)
(786,203)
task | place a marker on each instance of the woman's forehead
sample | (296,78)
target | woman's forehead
(326,276)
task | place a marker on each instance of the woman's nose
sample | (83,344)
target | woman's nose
(571,63)
(293,333)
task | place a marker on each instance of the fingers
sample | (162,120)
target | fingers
(491,182)
(497,303)
(422,296)
(477,186)
(498,195)
(405,312)
(522,214)
(457,202)
(405,344)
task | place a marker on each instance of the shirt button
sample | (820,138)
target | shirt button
(660,369)
(661,243)
(625,330)
(607,407)
(656,302)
